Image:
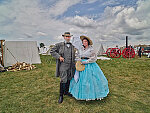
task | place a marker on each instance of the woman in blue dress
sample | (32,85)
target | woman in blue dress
(89,84)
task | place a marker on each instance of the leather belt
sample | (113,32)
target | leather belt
(84,58)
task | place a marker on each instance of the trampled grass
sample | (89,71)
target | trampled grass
(37,91)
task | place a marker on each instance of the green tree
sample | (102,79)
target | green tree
(42,45)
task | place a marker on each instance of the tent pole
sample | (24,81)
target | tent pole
(2,52)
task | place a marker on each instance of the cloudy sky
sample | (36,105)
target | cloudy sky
(104,21)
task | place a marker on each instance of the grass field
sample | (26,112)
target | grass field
(36,91)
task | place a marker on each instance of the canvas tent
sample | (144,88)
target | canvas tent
(101,50)
(20,51)
(43,50)
(48,52)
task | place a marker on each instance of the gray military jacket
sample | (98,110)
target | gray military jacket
(57,51)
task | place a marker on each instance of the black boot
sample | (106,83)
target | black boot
(67,89)
(61,93)
(60,99)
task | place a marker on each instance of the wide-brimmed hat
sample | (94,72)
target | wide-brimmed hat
(67,34)
(85,37)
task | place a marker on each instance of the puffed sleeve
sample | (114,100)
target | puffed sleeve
(93,56)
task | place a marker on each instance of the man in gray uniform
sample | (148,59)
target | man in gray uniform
(64,52)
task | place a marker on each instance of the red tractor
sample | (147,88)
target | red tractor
(128,53)
(116,52)
(113,52)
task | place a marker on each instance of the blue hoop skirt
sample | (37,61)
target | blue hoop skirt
(91,85)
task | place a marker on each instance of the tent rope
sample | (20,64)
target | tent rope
(12,54)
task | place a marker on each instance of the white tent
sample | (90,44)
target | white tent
(101,50)
(20,51)
(103,58)
(48,52)
(43,50)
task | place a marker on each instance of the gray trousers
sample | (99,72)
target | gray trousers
(65,72)
(65,76)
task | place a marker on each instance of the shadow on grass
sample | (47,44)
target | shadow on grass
(91,102)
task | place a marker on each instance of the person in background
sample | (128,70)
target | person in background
(139,52)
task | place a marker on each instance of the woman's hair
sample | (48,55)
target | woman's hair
(87,40)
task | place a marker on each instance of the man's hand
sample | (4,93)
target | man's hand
(61,59)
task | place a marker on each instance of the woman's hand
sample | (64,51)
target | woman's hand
(84,62)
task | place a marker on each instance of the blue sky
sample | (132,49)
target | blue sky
(105,21)
(97,7)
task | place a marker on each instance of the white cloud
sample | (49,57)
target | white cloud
(78,30)
(77,12)
(91,1)
(61,6)
(110,2)
(20,38)
(80,21)
(29,22)
(41,33)
(116,23)
(126,21)
(25,20)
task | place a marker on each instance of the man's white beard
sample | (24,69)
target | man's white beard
(67,40)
